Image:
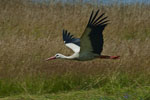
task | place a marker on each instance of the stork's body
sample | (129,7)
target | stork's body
(90,45)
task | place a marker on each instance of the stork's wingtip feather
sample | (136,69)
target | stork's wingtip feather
(91,17)
(97,11)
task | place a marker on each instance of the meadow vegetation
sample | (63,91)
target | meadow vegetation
(31,32)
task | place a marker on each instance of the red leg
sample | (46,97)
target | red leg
(109,57)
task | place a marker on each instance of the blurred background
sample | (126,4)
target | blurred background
(31,31)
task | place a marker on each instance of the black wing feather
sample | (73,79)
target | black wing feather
(98,18)
(97,26)
(91,17)
(94,16)
(69,38)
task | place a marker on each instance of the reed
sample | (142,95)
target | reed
(29,33)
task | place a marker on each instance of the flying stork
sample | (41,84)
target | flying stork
(90,45)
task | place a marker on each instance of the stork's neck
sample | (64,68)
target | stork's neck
(66,57)
(74,56)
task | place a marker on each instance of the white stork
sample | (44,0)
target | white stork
(90,45)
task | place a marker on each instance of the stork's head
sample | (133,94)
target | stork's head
(57,56)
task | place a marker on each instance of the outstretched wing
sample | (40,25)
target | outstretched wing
(71,42)
(92,38)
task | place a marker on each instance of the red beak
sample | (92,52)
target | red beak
(51,58)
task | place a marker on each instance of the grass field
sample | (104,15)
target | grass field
(29,33)
(93,94)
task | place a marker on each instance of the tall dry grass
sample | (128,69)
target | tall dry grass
(29,33)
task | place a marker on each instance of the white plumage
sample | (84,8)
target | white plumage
(74,47)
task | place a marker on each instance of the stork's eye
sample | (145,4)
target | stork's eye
(57,55)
